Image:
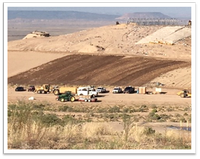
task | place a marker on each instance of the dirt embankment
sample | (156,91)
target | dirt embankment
(114,39)
(97,70)
(106,55)
(19,62)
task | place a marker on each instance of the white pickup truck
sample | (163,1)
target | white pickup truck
(87,91)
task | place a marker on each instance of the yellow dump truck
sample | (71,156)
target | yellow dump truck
(63,89)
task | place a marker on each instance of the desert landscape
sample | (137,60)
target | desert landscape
(91,54)
(109,56)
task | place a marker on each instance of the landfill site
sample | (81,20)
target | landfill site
(153,60)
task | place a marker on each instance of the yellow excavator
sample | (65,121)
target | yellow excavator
(184,94)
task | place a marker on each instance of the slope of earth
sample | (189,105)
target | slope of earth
(22,61)
(167,35)
(98,70)
(178,78)
(113,39)
(103,41)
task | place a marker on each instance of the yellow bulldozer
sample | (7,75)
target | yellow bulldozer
(184,94)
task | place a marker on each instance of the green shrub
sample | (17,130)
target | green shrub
(38,106)
(66,109)
(68,119)
(164,117)
(114,109)
(50,119)
(143,108)
(153,116)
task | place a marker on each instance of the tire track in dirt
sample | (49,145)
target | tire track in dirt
(97,70)
(129,68)
(178,78)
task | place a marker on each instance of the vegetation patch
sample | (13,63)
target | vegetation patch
(31,126)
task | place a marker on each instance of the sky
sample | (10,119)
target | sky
(112,10)
(179,9)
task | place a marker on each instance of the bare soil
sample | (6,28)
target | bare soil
(105,56)
(22,61)
(164,102)
(97,70)
(110,99)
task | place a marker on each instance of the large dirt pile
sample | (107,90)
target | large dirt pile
(114,39)
(97,70)
(102,56)
(167,35)
(36,34)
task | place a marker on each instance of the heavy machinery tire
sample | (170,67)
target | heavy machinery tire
(182,96)
(62,100)
(72,99)
(38,92)
(56,92)
(43,92)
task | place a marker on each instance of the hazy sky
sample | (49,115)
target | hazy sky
(170,11)
(117,8)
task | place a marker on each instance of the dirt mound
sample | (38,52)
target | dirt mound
(167,35)
(113,39)
(179,78)
(19,62)
(97,70)
(109,46)
(36,34)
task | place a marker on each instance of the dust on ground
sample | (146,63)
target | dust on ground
(120,40)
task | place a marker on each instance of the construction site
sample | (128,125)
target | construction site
(130,54)
(154,60)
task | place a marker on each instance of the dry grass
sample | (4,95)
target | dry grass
(94,136)
(29,128)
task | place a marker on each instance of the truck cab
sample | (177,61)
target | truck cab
(87,91)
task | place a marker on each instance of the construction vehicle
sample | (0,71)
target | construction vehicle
(67,96)
(75,90)
(184,94)
(61,90)
(45,88)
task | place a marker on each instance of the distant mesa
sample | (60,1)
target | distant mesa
(143,15)
(36,34)
(152,18)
